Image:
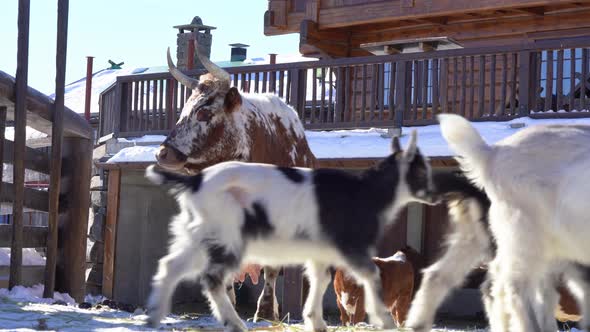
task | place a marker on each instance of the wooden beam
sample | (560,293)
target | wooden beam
(56,145)
(110,232)
(536,11)
(441,20)
(333,44)
(34,236)
(39,110)
(18,189)
(34,160)
(498,29)
(378,12)
(32,198)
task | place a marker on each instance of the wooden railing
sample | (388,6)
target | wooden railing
(496,83)
(68,164)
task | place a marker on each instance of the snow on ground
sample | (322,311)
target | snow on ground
(24,309)
(360,143)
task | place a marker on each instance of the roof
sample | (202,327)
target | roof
(104,78)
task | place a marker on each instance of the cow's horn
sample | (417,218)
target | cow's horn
(212,68)
(179,76)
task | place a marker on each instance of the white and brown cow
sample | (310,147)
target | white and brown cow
(219,123)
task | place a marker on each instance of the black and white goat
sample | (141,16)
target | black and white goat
(537,183)
(234,213)
(469,244)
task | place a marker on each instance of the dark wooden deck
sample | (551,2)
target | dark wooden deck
(483,84)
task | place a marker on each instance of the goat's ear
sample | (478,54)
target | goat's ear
(412,148)
(395,146)
(233,99)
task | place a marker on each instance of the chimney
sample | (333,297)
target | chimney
(238,52)
(188,33)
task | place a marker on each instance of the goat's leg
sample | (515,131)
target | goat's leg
(344,318)
(401,307)
(545,303)
(577,279)
(518,299)
(365,271)
(180,263)
(217,274)
(441,278)
(231,292)
(359,313)
(313,313)
(268,306)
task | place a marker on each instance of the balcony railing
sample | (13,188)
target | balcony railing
(494,84)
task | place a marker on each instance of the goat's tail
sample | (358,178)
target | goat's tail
(160,176)
(466,142)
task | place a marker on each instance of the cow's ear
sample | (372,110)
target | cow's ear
(233,100)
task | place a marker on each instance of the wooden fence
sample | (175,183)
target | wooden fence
(380,91)
(67,199)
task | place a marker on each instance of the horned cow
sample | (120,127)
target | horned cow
(219,123)
(234,213)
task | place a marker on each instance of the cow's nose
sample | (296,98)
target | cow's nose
(170,158)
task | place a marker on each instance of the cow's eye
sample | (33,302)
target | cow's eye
(204,115)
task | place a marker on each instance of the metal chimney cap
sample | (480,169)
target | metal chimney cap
(239,45)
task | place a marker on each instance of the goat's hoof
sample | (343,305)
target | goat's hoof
(418,327)
(235,328)
(153,322)
(386,324)
(316,326)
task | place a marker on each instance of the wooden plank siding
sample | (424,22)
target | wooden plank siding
(114,183)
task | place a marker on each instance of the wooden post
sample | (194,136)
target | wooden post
(292,292)
(20,122)
(3,110)
(120,111)
(88,95)
(170,107)
(56,145)
(524,80)
(74,224)
(114,185)
(294,100)
(123,101)
(400,92)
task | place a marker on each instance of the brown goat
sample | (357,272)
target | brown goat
(397,280)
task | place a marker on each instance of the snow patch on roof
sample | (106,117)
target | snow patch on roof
(374,142)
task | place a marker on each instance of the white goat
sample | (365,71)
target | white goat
(470,244)
(536,180)
(234,213)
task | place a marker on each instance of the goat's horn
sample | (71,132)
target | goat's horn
(212,68)
(179,76)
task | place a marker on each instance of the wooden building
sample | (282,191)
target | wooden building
(348,28)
